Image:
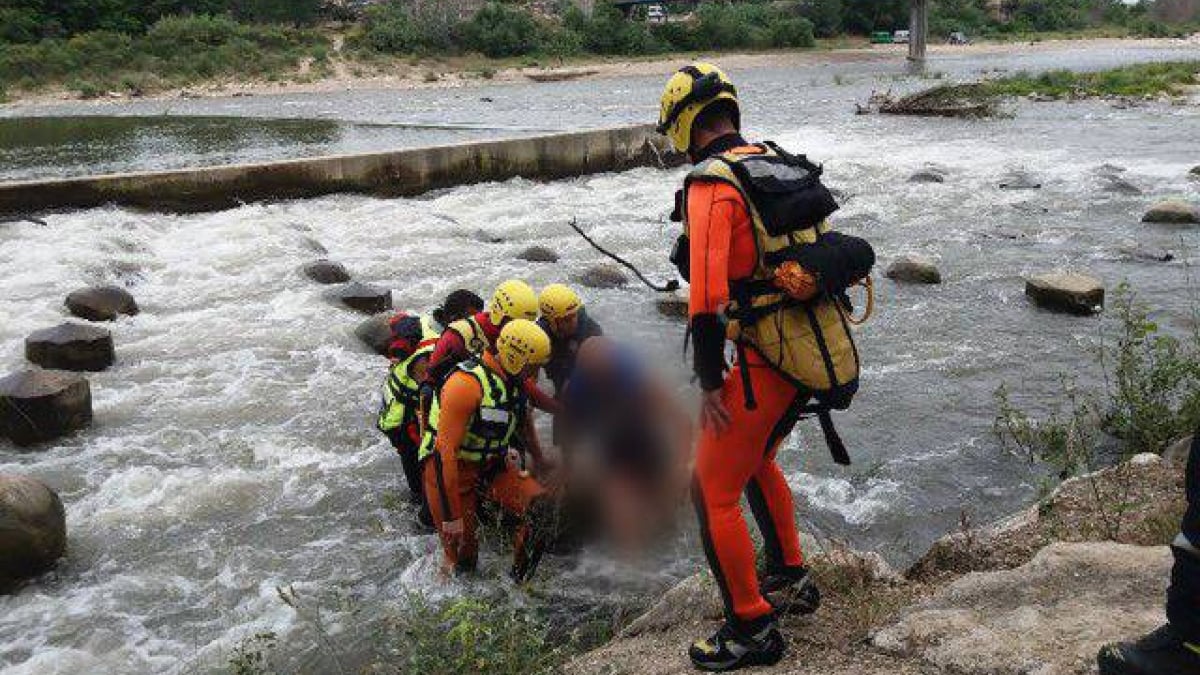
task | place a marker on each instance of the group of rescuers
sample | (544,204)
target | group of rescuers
(767,274)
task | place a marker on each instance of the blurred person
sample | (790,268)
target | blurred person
(628,442)
(474,421)
(1174,648)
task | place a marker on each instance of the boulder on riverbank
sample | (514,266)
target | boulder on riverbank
(538,254)
(42,405)
(33,529)
(325,271)
(101,303)
(71,346)
(1078,294)
(601,276)
(1179,450)
(364,298)
(1050,615)
(1173,212)
(914,270)
(929,175)
(375,333)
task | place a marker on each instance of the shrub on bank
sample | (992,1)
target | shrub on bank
(175,50)
(498,31)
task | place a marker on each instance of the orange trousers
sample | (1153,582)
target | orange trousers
(742,459)
(490,479)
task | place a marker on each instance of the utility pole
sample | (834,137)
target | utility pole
(918,32)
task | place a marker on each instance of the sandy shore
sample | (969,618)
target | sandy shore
(462,72)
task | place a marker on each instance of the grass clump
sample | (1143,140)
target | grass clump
(468,635)
(1145,79)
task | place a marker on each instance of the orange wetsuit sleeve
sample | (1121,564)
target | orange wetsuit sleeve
(540,399)
(712,210)
(460,399)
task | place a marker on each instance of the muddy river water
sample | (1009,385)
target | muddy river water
(233,450)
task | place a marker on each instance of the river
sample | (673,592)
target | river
(233,451)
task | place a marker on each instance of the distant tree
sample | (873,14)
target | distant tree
(864,16)
(825,15)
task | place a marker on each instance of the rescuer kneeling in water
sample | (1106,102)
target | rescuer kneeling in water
(753,216)
(473,423)
(472,336)
(398,420)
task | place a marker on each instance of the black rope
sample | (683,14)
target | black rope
(669,287)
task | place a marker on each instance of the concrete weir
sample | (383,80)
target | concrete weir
(398,173)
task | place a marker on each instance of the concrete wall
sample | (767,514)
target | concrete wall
(399,173)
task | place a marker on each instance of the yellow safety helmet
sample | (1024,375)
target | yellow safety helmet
(513,299)
(559,301)
(522,343)
(688,92)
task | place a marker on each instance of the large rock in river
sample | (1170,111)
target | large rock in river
(914,269)
(538,254)
(326,272)
(101,303)
(33,529)
(41,405)
(1173,212)
(1066,292)
(1049,616)
(71,346)
(1019,180)
(364,297)
(601,276)
(375,333)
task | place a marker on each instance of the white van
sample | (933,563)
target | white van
(900,37)
(656,14)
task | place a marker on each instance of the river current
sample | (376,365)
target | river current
(233,451)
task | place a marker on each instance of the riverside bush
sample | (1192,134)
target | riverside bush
(498,31)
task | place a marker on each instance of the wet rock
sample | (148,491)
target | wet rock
(674,306)
(363,297)
(101,303)
(1078,294)
(928,175)
(41,405)
(33,529)
(695,598)
(601,276)
(914,270)
(1019,180)
(1173,212)
(538,254)
(1119,185)
(1109,169)
(1179,450)
(71,346)
(1135,251)
(325,271)
(1195,172)
(375,333)
(1050,615)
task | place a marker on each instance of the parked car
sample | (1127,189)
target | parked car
(656,14)
(881,37)
(900,37)
(959,38)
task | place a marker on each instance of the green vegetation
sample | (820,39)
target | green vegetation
(173,51)
(131,46)
(1151,397)
(1137,80)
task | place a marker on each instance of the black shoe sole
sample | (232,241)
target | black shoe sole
(749,661)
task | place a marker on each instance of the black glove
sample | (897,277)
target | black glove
(708,336)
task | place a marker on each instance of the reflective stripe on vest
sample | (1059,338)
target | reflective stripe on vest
(472,335)
(401,394)
(492,427)
(809,343)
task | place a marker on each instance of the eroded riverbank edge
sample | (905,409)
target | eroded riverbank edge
(1039,591)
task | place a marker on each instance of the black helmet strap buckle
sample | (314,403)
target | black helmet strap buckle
(704,87)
